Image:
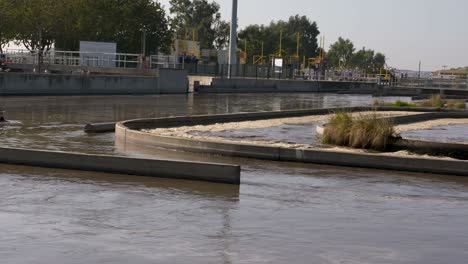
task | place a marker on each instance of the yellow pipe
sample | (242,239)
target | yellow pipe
(262,50)
(193,41)
(298,38)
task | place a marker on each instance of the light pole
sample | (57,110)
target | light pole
(233,41)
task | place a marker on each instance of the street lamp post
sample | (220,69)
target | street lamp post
(233,41)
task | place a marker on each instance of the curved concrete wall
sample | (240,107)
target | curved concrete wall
(127,133)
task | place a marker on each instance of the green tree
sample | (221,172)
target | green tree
(41,24)
(6,24)
(34,23)
(200,16)
(120,21)
(363,59)
(308,32)
(222,32)
(379,61)
(340,53)
(270,37)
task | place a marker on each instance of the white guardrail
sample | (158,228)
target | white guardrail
(91,59)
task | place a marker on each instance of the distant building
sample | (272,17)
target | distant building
(451,74)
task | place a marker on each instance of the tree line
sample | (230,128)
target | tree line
(343,55)
(43,24)
(287,33)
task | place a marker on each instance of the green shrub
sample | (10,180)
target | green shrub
(399,103)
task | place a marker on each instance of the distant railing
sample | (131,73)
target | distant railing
(441,83)
(76,58)
(137,61)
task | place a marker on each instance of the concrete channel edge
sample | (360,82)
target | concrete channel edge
(196,171)
(128,133)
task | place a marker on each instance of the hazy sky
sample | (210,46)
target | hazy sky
(433,31)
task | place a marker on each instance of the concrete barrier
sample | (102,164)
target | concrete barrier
(169,81)
(240,85)
(173,81)
(386,162)
(100,128)
(196,171)
(128,133)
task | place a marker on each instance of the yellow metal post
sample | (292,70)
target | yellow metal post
(193,41)
(280,53)
(298,38)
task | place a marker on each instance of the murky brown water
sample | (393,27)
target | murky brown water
(282,212)
(450,134)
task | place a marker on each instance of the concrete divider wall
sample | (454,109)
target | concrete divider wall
(426,165)
(127,133)
(170,81)
(272,85)
(123,165)
(173,81)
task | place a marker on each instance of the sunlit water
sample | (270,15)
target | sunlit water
(282,212)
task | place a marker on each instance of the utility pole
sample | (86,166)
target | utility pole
(233,41)
(419,73)
(39,52)
(143,48)
(143,42)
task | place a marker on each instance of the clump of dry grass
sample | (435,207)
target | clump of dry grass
(377,102)
(456,104)
(337,130)
(434,101)
(364,132)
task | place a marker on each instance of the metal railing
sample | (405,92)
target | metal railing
(440,83)
(136,61)
(76,58)
(266,72)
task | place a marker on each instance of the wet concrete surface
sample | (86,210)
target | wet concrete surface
(447,134)
(282,212)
